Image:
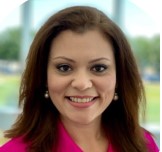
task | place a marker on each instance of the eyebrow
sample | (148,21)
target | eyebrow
(64,58)
(92,61)
(99,59)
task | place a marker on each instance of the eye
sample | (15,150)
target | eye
(64,67)
(99,68)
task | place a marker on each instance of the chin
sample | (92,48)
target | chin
(84,120)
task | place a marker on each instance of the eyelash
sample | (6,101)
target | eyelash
(64,68)
(98,68)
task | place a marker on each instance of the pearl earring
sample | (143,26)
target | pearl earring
(46,95)
(116,97)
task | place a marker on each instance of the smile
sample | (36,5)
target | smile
(81,99)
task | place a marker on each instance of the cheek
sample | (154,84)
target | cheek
(56,84)
(106,87)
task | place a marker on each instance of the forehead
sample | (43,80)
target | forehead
(90,42)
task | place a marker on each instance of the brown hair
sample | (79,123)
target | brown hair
(37,122)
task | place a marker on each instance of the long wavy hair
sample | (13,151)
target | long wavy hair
(38,121)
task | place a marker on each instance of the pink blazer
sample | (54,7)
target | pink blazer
(65,143)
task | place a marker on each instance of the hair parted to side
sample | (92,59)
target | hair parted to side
(37,122)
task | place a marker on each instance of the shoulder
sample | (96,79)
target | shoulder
(14,145)
(151,144)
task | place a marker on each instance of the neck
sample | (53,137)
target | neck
(85,135)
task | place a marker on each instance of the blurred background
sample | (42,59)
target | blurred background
(139,19)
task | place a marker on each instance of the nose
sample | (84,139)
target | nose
(81,81)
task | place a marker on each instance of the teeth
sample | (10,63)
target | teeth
(81,100)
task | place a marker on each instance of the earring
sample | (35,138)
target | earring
(46,95)
(116,97)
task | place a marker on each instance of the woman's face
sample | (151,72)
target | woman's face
(81,75)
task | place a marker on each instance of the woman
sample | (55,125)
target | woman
(81,89)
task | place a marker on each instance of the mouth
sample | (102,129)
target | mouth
(81,99)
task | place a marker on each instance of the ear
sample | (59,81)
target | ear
(116,86)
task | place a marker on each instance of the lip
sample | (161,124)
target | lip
(81,105)
(81,97)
